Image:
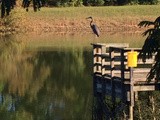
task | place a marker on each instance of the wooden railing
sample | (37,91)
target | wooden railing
(110,60)
(112,76)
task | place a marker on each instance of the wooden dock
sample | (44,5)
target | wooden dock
(112,77)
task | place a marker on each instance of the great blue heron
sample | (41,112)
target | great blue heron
(94,27)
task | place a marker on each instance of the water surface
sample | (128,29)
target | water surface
(48,76)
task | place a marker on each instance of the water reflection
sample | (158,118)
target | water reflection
(81,40)
(48,77)
(52,85)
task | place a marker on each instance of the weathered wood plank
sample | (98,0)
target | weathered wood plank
(144,88)
(111,44)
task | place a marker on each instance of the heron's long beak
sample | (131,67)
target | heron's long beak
(89,18)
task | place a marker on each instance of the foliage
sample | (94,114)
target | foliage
(64,3)
(94,2)
(150,2)
(147,106)
(8,5)
(36,4)
(151,46)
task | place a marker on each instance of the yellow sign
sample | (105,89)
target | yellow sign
(132,59)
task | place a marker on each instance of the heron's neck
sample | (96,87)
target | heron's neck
(91,22)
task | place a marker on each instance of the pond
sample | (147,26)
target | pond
(49,76)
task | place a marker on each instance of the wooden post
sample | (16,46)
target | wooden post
(103,71)
(122,75)
(131,62)
(131,94)
(111,52)
(94,58)
(100,59)
(103,51)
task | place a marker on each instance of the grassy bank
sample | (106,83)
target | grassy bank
(72,19)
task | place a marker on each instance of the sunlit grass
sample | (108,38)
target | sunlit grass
(98,12)
(113,16)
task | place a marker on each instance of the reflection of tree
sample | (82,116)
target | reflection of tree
(67,84)
(18,74)
(148,106)
(44,85)
(19,70)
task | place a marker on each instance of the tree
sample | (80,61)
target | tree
(150,2)
(36,4)
(7,5)
(152,47)
(94,2)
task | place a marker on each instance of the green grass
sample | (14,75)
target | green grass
(98,12)
(108,17)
